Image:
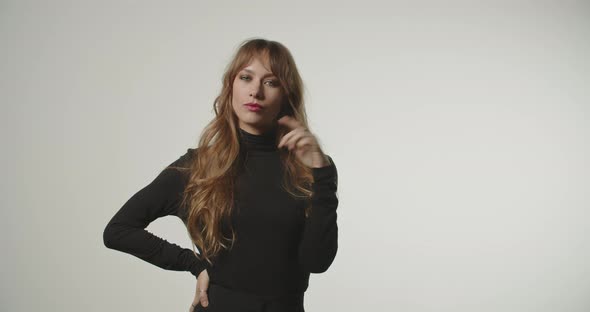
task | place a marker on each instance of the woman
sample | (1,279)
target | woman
(258,195)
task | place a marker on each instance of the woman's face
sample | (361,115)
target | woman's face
(256,84)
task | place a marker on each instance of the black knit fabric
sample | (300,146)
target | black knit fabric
(276,247)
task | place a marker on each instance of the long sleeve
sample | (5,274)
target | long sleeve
(126,230)
(319,243)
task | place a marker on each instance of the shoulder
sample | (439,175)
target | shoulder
(180,169)
(184,160)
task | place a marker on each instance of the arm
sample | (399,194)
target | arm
(319,244)
(126,230)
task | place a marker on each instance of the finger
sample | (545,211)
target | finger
(290,138)
(304,139)
(293,143)
(289,122)
(203,298)
(305,142)
(286,138)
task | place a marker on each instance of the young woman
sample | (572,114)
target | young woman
(257,195)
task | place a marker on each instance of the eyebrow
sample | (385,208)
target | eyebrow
(252,72)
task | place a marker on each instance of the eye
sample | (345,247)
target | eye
(273,83)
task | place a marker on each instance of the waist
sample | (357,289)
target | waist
(247,296)
(264,282)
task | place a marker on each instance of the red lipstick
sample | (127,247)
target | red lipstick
(254,107)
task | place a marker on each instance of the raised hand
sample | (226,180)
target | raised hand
(303,143)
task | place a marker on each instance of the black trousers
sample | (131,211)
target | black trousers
(222,299)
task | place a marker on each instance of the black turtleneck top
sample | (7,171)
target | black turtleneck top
(276,247)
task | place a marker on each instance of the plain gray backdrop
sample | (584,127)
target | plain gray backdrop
(460,130)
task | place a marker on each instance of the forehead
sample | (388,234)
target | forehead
(258,65)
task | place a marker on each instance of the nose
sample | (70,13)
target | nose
(256,92)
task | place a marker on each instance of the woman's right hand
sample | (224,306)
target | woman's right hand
(201,293)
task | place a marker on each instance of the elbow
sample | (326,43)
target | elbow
(108,237)
(319,262)
(318,268)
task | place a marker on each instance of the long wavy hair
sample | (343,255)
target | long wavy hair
(208,199)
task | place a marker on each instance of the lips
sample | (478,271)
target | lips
(253,105)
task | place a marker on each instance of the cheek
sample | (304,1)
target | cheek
(234,88)
(275,94)
(235,92)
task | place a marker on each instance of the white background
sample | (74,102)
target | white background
(460,130)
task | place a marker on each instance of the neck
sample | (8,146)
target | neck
(263,142)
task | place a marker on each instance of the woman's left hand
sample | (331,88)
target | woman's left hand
(303,142)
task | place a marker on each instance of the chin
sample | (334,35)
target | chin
(257,124)
(252,121)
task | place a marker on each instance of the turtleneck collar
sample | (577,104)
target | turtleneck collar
(258,142)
